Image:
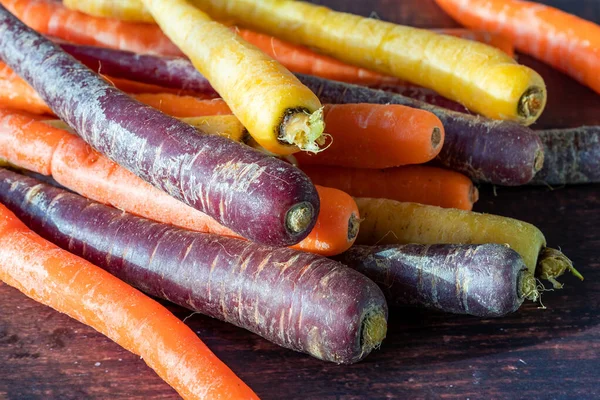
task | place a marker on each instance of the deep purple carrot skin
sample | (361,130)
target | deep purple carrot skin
(425,95)
(481,280)
(171,72)
(572,156)
(498,152)
(298,300)
(257,196)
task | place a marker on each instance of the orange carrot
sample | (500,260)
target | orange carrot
(568,43)
(52,18)
(377,136)
(71,285)
(15,93)
(39,147)
(415,184)
(493,39)
(183,106)
(129,86)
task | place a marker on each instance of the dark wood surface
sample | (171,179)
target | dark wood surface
(551,353)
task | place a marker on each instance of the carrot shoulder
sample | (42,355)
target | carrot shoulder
(73,286)
(567,42)
(283,115)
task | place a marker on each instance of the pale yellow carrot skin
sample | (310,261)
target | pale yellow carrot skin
(393,222)
(268,99)
(481,77)
(126,10)
(223,125)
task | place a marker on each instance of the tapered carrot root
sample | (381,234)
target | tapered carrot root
(419,184)
(392,222)
(280,113)
(572,156)
(567,42)
(377,136)
(488,280)
(71,285)
(297,300)
(38,146)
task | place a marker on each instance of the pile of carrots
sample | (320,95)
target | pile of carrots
(280,166)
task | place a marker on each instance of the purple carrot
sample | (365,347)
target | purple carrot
(572,156)
(259,197)
(499,152)
(487,280)
(425,95)
(298,300)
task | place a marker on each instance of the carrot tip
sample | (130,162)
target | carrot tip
(353,226)
(436,137)
(374,329)
(538,163)
(552,264)
(302,129)
(531,104)
(528,286)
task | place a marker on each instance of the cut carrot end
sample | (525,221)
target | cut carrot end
(531,104)
(353,226)
(300,217)
(552,264)
(436,137)
(473,194)
(303,129)
(374,329)
(538,163)
(528,286)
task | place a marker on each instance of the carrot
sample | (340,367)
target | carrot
(17,94)
(392,222)
(136,87)
(183,106)
(71,285)
(298,300)
(567,42)
(499,152)
(53,19)
(39,146)
(572,156)
(493,39)
(377,136)
(488,280)
(259,197)
(126,10)
(281,114)
(415,183)
(483,78)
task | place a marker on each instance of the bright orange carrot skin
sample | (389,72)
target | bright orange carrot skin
(52,18)
(567,42)
(377,136)
(17,94)
(415,184)
(184,106)
(92,296)
(38,147)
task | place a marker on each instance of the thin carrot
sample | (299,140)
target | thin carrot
(52,18)
(282,114)
(135,87)
(71,285)
(377,136)
(183,106)
(493,39)
(41,147)
(567,42)
(15,93)
(415,183)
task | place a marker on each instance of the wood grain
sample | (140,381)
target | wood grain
(534,353)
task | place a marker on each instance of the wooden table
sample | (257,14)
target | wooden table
(551,353)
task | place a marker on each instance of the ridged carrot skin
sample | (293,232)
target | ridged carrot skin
(392,222)
(86,293)
(280,113)
(414,183)
(377,136)
(488,280)
(297,300)
(567,42)
(259,197)
(481,77)
(53,19)
(39,146)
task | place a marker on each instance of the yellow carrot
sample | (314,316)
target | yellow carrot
(279,112)
(481,77)
(126,10)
